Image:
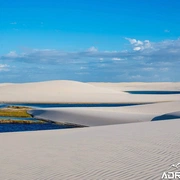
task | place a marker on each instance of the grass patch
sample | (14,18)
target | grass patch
(15,111)
(9,121)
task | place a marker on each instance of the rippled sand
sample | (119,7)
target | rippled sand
(123,145)
(126,151)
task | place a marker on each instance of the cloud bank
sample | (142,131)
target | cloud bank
(143,61)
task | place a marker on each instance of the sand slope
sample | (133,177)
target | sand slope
(132,151)
(88,117)
(108,116)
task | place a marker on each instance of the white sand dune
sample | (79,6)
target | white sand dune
(73,92)
(130,151)
(154,108)
(166,86)
(108,116)
(88,117)
(115,151)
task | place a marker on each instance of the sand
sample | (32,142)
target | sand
(78,92)
(166,86)
(122,142)
(127,151)
(108,116)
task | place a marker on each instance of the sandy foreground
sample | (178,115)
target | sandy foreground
(125,145)
(127,151)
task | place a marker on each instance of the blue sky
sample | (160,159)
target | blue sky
(110,40)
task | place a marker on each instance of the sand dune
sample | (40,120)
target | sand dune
(108,116)
(154,108)
(131,151)
(121,151)
(166,86)
(73,92)
(78,92)
(89,117)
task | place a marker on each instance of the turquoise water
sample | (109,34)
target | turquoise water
(30,127)
(18,118)
(154,92)
(165,117)
(2,105)
(49,105)
(27,127)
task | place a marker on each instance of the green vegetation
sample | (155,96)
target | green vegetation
(9,121)
(18,107)
(15,111)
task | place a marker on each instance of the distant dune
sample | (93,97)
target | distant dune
(76,92)
(175,86)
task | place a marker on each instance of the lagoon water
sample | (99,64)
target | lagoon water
(154,92)
(30,127)
(18,118)
(13,127)
(27,127)
(49,105)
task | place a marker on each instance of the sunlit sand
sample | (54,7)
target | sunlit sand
(118,142)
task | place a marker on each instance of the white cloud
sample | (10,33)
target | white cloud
(148,69)
(116,59)
(132,41)
(82,67)
(145,58)
(4,67)
(164,69)
(92,49)
(136,77)
(165,51)
(139,45)
(137,48)
(12,54)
